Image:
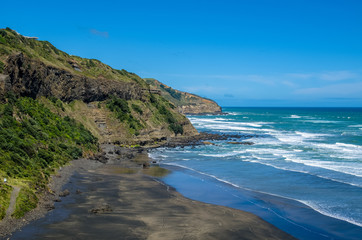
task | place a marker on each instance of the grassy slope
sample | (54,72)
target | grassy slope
(34,142)
(142,117)
(178,98)
(11,42)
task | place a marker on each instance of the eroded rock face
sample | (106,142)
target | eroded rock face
(32,78)
(201,108)
(186,103)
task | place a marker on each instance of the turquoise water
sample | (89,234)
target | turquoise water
(312,156)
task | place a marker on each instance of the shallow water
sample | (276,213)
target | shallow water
(312,156)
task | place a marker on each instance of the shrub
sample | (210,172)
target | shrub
(123,113)
(176,128)
(137,109)
(5,191)
(25,202)
(2,65)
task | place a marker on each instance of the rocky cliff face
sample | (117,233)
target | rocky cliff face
(186,103)
(201,107)
(32,78)
(115,105)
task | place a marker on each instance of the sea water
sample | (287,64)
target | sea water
(309,156)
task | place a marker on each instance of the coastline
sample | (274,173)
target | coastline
(107,199)
(289,215)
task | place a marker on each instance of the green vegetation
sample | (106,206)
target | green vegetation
(38,135)
(175,94)
(57,102)
(162,105)
(5,192)
(137,108)
(2,65)
(123,113)
(180,99)
(12,42)
(35,141)
(26,201)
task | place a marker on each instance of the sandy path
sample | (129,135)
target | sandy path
(14,195)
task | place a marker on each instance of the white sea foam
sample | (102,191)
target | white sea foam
(293,116)
(223,126)
(354,169)
(310,204)
(219,155)
(356,126)
(324,211)
(341,150)
(289,138)
(288,168)
(233,113)
(346,145)
(224,123)
(205,174)
(311,135)
(322,121)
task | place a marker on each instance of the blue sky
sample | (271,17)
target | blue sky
(239,53)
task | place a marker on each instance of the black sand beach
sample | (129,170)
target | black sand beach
(118,200)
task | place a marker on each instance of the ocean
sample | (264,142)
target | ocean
(303,173)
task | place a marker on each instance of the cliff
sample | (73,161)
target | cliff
(56,107)
(186,103)
(88,88)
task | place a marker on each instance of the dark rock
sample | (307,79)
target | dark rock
(32,78)
(201,138)
(49,207)
(64,193)
(241,143)
(101,157)
(78,191)
(104,208)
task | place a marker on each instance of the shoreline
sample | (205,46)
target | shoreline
(289,215)
(48,198)
(147,203)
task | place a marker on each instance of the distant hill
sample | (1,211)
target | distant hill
(186,103)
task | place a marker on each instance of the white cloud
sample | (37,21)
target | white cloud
(99,33)
(299,75)
(326,76)
(335,90)
(204,89)
(338,75)
(289,84)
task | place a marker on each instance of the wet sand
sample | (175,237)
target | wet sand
(119,201)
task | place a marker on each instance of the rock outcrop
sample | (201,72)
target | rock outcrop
(32,78)
(186,103)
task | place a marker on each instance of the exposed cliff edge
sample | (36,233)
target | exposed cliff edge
(186,103)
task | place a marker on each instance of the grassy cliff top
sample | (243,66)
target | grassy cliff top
(12,42)
(178,98)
